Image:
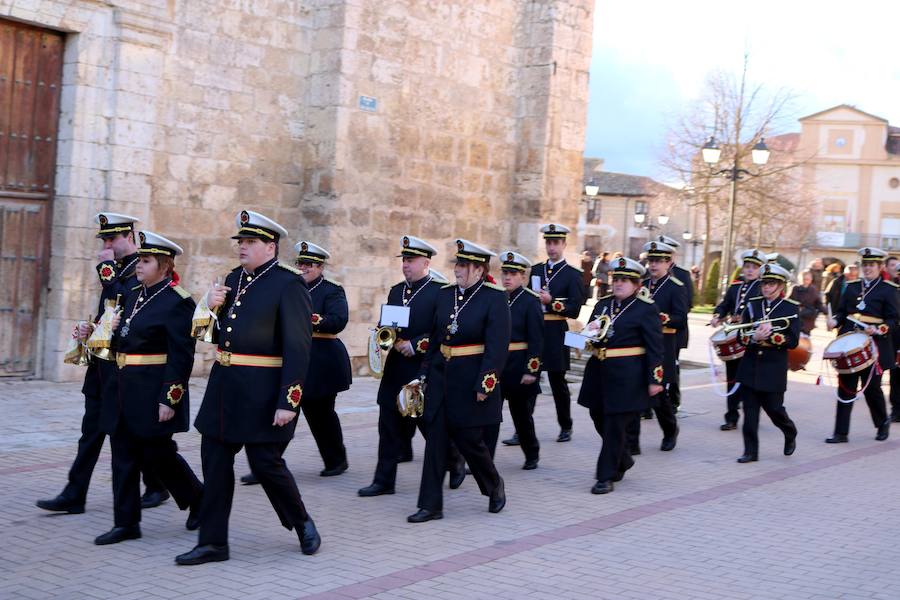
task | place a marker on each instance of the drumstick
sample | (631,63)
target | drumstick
(857,322)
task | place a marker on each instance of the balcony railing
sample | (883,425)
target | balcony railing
(849,239)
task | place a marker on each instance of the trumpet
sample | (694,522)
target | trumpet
(411,399)
(754,324)
(603,322)
(381,340)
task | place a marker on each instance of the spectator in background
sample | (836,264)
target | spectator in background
(587,261)
(695,277)
(600,271)
(816,269)
(810,302)
(839,284)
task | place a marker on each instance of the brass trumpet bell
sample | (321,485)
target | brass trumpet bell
(386,337)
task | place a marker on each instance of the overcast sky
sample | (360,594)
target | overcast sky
(651,57)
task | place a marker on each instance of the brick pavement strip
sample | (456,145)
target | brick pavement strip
(686,524)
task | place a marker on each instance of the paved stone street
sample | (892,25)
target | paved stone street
(687,524)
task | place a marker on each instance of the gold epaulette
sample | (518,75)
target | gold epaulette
(137,287)
(532,292)
(290,268)
(444,287)
(755,298)
(676,281)
(792,301)
(332,281)
(494,286)
(891,283)
(181,291)
(646,299)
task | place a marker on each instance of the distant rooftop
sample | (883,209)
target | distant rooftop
(622,184)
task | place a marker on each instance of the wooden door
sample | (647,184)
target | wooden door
(30,80)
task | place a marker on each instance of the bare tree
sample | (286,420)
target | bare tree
(771,204)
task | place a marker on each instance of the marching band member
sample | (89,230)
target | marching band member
(730,309)
(684,276)
(671,299)
(462,376)
(892,270)
(116,273)
(625,369)
(763,369)
(329,364)
(148,400)
(562,294)
(872,301)
(419,292)
(255,387)
(520,379)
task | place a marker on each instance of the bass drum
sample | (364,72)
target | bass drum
(798,357)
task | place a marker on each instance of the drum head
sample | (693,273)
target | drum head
(721,336)
(846,344)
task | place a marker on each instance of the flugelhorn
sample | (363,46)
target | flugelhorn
(411,399)
(754,324)
(603,323)
(381,340)
(100,340)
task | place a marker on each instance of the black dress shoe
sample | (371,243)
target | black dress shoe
(634,449)
(193,520)
(203,554)
(118,534)
(498,498)
(425,515)
(727,426)
(565,435)
(405,458)
(746,458)
(376,489)
(530,464)
(512,441)
(333,471)
(883,431)
(153,498)
(836,439)
(668,443)
(248,479)
(457,476)
(790,444)
(309,537)
(62,504)
(602,487)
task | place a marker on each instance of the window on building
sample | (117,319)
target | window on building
(593,212)
(834,222)
(640,207)
(890,232)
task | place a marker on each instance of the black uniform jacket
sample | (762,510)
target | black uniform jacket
(567,289)
(329,364)
(684,276)
(527,327)
(765,363)
(880,311)
(671,300)
(399,370)
(133,396)
(116,277)
(619,385)
(736,297)
(274,319)
(454,382)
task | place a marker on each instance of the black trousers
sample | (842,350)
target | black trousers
(89,446)
(665,414)
(773,404)
(847,388)
(614,456)
(675,384)
(325,427)
(129,454)
(521,409)
(895,391)
(470,443)
(561,397)
(734,400)
(269,468)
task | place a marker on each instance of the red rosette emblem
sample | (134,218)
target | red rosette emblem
(489,382)
(658,374)
(107,272)
(557,306)
(664,317)
(534,365)
(883,329)
(316,318)
(175,394)
(422,346)
(294,393)
(778,338)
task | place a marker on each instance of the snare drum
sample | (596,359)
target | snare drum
(850,353)
(728,346)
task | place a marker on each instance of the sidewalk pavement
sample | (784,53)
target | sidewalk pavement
(691,523)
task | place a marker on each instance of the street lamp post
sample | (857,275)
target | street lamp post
(711,154)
